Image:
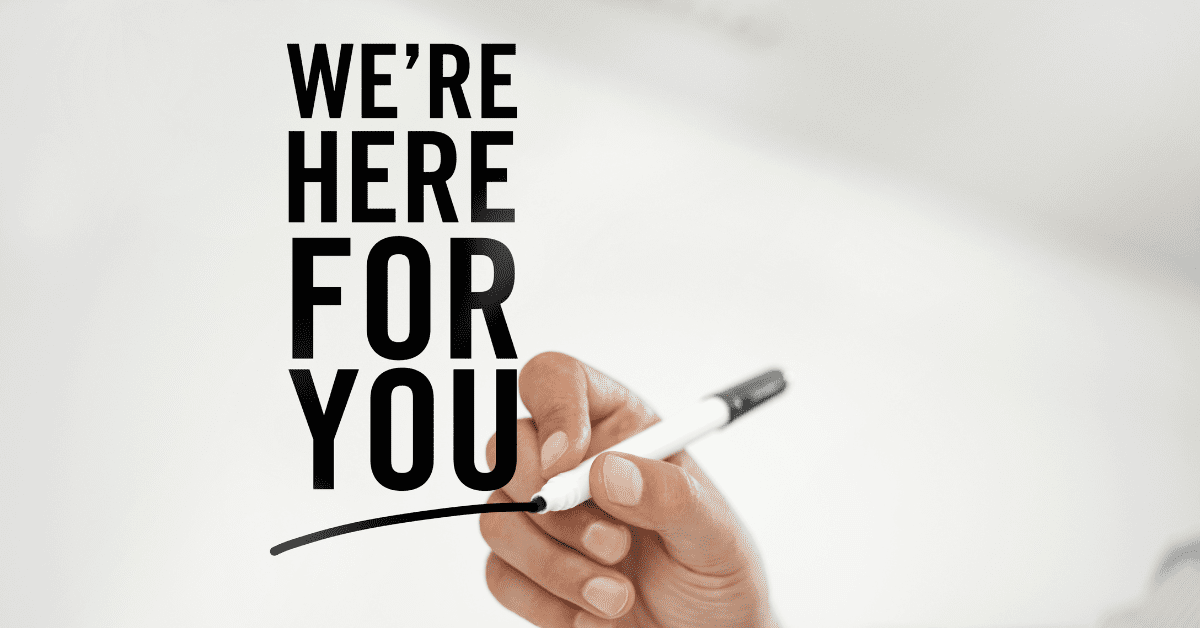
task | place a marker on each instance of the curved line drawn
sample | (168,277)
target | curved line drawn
(423,515)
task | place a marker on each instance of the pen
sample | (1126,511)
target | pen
(571,488)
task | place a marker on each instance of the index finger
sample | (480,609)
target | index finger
(567,400)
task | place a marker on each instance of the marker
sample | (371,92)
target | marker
(571,488)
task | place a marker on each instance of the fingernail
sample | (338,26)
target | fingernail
(553,449)
(588,620)
(606,594)
(605,540)
(622,481)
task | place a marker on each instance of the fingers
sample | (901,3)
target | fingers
(588,530)
(527,478)
(674,499)
(568,399)
(554,388)
(561,572)
(537,605)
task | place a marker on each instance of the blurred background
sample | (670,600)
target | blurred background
(970,231)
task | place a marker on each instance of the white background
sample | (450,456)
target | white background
(969,231)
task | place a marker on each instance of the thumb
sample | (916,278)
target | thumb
(676,500)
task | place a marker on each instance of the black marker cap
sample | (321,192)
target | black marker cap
(749,394)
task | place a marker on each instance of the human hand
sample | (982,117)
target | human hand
(657,546)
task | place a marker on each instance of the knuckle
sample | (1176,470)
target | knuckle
(491,527)
(682,493)
(547,372)
(546,363)
(491,571)
(638,420)
(557,409)
(548,359)
(494,575)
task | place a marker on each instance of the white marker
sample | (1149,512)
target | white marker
(571,488)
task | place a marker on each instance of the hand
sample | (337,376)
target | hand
(656,546)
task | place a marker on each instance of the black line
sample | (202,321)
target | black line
(437,513)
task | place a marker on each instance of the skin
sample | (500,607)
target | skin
(666,548)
